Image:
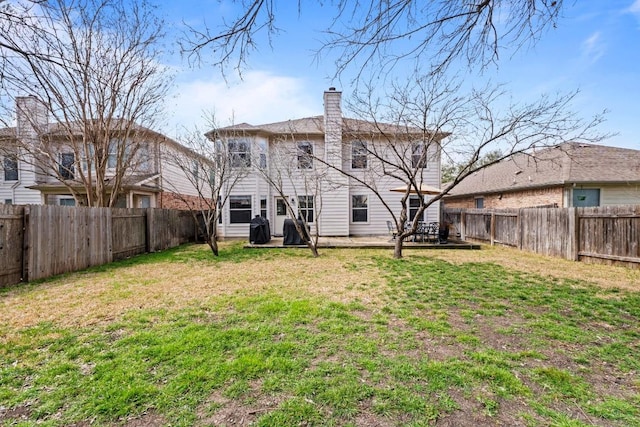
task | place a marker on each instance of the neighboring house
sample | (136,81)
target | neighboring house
(342,207)
(24,180)
(567,175)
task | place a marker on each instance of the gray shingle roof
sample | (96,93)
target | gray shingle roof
(315,126)
(564,164)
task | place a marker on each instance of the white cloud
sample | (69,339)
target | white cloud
(261,97)
(634,9)
(593,47)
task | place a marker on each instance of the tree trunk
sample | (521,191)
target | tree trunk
(213,244)
(313,248)
(397,249)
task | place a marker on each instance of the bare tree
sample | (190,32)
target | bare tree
(213,171)
(380,33)
(409,130)
(299,181)
(15,17)
(92,66)
(453,166)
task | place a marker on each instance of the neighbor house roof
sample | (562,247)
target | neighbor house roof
(561,165)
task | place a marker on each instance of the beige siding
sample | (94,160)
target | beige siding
(174,179)
(16,191)
(620,195)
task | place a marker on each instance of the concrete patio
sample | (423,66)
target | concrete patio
(375,242)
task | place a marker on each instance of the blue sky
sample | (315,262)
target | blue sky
(595,48)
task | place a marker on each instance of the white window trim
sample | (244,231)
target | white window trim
(367,209)
(366,154)
(313,150)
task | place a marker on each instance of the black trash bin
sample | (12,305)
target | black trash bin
(259,231)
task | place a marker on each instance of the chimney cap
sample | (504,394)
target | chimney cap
(332,88)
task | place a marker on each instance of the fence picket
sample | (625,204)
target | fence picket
(609,234)
(39,241)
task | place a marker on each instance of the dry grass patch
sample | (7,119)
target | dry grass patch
(94,297)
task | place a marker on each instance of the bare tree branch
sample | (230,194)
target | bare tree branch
(379,33)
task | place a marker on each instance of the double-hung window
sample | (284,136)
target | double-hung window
(414,206)
(305,155)
(418,155)
(10,166)
(239,209)
(359,208)
(305,208)
(358,155)
(112,154)
(66,167)
(239,153)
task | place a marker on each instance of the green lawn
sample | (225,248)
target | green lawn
(353,338)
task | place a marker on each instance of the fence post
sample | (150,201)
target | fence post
(25,243)
(492,228)
(463,224)
(519,227)
(575,235)
(148,226)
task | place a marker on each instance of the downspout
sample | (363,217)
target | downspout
(13,192)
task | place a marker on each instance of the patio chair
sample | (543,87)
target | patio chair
(392,230)
(432,231)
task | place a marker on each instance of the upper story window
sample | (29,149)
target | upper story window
(262,147)
(305,155)
(195,170)
(66,166)
(418,155)
(144,157)
(239,153)
(10,166)
(358,155)
(112,153)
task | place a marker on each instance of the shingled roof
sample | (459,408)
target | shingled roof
(315,126)
(561,165)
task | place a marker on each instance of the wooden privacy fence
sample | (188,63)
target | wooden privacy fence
(39,241)
(608,234)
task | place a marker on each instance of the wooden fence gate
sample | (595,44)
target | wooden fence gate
(11,238)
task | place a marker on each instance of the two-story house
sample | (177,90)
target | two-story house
(304,158)
(40,165)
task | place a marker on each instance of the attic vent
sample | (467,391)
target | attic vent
(518,172)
